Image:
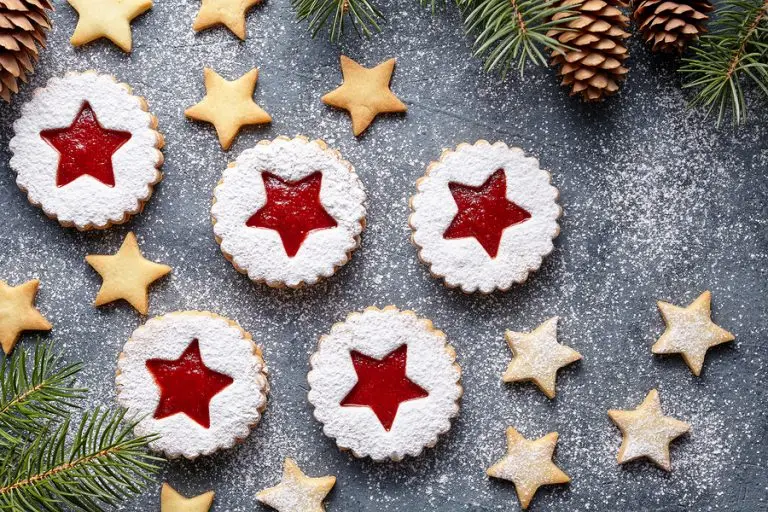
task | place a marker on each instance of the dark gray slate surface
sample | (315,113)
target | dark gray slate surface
(658,205)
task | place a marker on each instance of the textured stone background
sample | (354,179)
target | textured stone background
(658,205)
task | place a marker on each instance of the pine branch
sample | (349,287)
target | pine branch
(733,54)
(29,399)
(101,466)
(361,14)
(514,32)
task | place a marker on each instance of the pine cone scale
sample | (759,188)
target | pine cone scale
(669,26)
(23,27)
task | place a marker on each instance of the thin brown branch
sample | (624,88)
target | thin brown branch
(736,59)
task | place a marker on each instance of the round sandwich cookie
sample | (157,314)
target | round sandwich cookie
(484,216)
(87,151)
(384,383)
(289,212)
(195,378)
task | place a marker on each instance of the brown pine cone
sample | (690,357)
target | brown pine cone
(593,67)
(23,26)
(670,25)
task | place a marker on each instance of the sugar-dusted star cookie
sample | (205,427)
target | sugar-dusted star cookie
(229,105)
(107,18)
(297,492)
(538,356)
(365,93)
(127,275)
(18,313)
(230,13)
(172,501)
(647,432)
(528,463)
(690,331)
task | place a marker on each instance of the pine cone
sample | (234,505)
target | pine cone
(23,26)
(669,25)
(593,67)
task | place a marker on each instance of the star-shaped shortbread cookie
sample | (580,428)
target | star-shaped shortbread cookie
(647,432)
(172,501)
(230,13)
(538,356)
(365,93)
(107,18)
(528,463)
(127,275)
(18,313)
(297,492)
(228,105)
(690,331)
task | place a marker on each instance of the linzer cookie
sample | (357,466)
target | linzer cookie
(196,379)
(484,216)
(384,383)
(87,151)
(288,212)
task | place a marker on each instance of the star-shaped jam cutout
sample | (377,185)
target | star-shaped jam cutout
(484,212)
(85,148)
(293,209)
(382,385)
(186,385)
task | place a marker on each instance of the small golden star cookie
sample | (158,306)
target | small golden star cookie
(297,492)
(230,13)
(107,18)
(127,275)
(172,501)
(229,105)
(690,331)
(538,356)
(365,93)
(18,313)
(647,432)
(528,464)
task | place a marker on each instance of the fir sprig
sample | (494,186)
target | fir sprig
(361,14)
(513,33)
(734,53)
(30,398)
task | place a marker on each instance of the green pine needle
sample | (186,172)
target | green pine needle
(30,398)
(732,55)
(513,33)
(361,14)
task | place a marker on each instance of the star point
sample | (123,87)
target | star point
(528,464)
(484,212)
(230,13)
(126,275)
(690,331)
(228,105)
(18,313)
(365,93)
(538,356)
(647,432)
(110,19)
(297,492)
(172,501)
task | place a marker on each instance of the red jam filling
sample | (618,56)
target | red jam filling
(484,212)
(382,385)
(293,209)
(85,148)
(186,385)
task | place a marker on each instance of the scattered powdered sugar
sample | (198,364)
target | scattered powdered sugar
(463,262)
(430,364)
(86,202)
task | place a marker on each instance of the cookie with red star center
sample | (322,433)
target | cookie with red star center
(195,378)
(87,151)
(384,383)
(484,216)
(289,212)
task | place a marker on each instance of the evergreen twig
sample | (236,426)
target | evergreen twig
(361,14)
(735,52)
(514,32)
